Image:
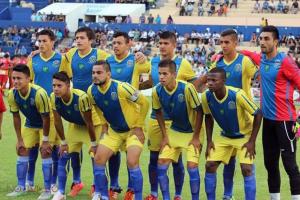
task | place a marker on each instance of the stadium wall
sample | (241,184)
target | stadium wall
(20,23)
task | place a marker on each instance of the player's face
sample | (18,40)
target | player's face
(20,80)
(45,43)
(100,76)
(267,42)
(120,46)
(165,76)
(60,88)
(214,81)
(82,41)
(228,44)
(166,47)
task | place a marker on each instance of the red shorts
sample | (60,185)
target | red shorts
(2,105)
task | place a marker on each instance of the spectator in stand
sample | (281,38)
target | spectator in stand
(150,19)
(33,17)
(158,19)
(295,7)
(128,20)
(131,34)
(263,22)
(119,19)
(272,6)
(23,51)
(182,11)
(151,35)
(144,36)
(256,7)
(189,9)
(253,40)
(170,20)
(16,40)
(234,3)
(265,6)
(200,9)
(101,19)
(142,19)
(280,7)
(59,35)
(221,10)
(212,10)
(286,8)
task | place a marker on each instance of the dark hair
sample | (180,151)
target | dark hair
(62,76)
(89,32)
(47,32)
(271,29)
(230,32)
(168,63)
(168,35)
(22,68)
(105,65)
(122,34)
(219,71)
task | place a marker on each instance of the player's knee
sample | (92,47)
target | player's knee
(164,161)
(99,159)
(211,167)
(132,163)
(22,152)
(290,164)
(192,165)
(246,169)
(45,154)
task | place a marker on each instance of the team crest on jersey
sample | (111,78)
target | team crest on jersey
(45,69)
(69,112)
(267,68)
(25,106)
(222,112)
(55,63)
(113,96)
(171,105)
(105,103)
(231,105)
(119,70)
(129,63)
(80,66)
(238,67)
(76,107)
(227,74)
(32,101)
(180,98)
(92,59)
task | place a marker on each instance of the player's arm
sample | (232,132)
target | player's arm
(85,107)
(139,68)
(291,71)
(65,66)
(102,55)
(252,108)
(255,57)
(29,64)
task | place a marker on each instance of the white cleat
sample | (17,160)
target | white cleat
(59,196)
(18,191)
(45,195)
(54,189)
(30,188)
(96,196)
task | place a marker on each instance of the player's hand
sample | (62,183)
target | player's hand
(63,149)
(20,148)
(210,146)
(46,148)
(33,53)
(139,134)
(140,58)
(250,149)
(164,142)
(93,150)
(196,143)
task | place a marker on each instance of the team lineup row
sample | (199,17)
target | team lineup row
(115,111)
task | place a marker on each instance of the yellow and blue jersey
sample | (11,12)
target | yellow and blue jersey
(184,72)
(42,70)
(117,103)
(127,69)
(233,113)
(73,110)
(80,66)
(239,72)
(180,105)
(33,105)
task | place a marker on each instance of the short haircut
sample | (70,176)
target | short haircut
(47,32)
(169,64)
(168,35)
(230,32)
(22,68)
(105,65)
(89,32)
(271,29)
(122,34)
(219,71)
(62,76)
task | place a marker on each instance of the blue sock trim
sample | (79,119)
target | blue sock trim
(23,158)
(47,161)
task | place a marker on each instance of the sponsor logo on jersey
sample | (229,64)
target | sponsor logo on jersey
(231,105)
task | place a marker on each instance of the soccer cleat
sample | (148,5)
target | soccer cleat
(59,196)
(151,197)
(96,196)
(177,198)
(91,192)
(129,195)
(75,189)
(228,198)
(113,193)
(46,194)
(18,191)
(30,188)
(53,189)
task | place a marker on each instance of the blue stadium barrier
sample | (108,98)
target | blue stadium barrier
(183,28)
(25,24)
(22,14)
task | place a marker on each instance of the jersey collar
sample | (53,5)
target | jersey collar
(82,56)
(229,63)
(27,95)
(70,100)
(104,90)
(225,97)
(171,92)
(47,59)
(121,59)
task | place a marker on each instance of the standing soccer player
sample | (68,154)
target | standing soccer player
(239,72)
(238,135)
(42,67)
(115,99)
(33,102)
(180,101)
(84,124)
(279,76)
(167,46)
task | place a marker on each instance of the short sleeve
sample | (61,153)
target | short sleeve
(52,101)
(65,66)
(102,55)
(192,96)
(84,103)
(29,64)
(204,104)
(129,92)
(12,103)
(245,102)
(89,93)
(42,101)
(155,100)
(185,72)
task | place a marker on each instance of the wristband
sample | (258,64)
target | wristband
(63,142)
(94,143)
(45,138)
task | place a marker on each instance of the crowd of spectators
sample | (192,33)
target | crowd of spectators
(43,17)
(280,6)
